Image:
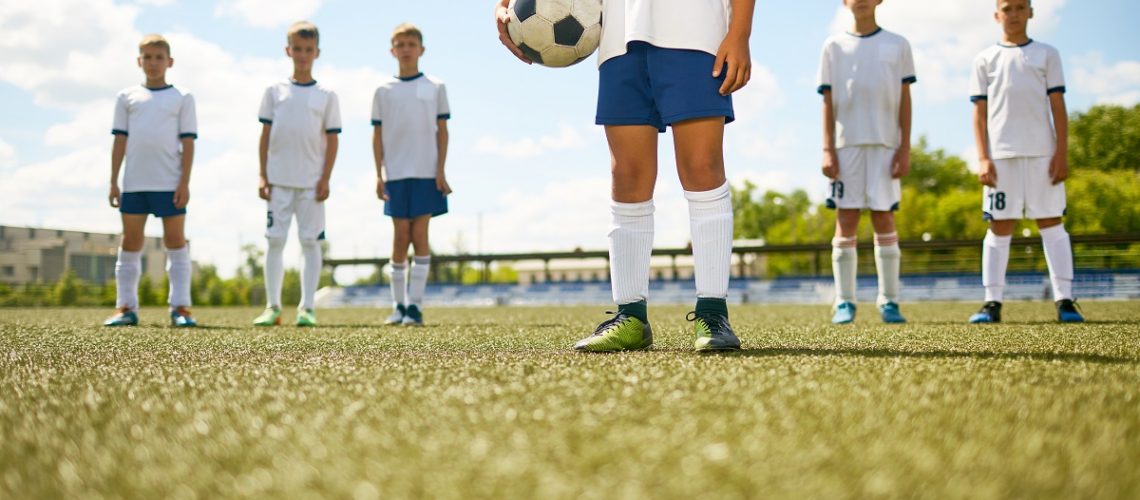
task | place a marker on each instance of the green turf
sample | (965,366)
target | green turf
(492,403)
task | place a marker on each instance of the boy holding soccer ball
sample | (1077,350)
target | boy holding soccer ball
(865,77)
(300,122)
(155,127)
(409,142)
(667,63)
(1021,128)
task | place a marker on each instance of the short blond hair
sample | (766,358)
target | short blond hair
(407,29)
(155,40)
(303,29)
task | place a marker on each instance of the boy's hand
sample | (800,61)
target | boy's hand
(264,188)
(900,165)
(114,196)
(735,52)
(323,190)
(441,183)
(380,192)
(987,173)
(1059,168)
(831,164)
(181,196)
(502,18)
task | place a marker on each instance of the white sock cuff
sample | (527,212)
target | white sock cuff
(712,195)
(886,239)
(642,209)
(994,240)
(398,266)
(421,261)
(130,257)
(178,254)
(845,242)
(1054,233)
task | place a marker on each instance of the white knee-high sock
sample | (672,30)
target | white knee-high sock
(274,271)
(1059,256)
(417,285)
(398,278)
(310,272)
(127,271)
(178,269)
(995,259)
(844,264)
(710,221)
(887,258)
(631,245)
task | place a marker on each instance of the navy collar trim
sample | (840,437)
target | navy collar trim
(868,35)
(1015,46)
(295,82)
(154,89)
(409,78)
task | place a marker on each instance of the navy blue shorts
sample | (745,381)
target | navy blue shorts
(411,198)
(659,87)
(156,203)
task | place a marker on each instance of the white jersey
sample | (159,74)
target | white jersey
(300,116)
(1016,82)
(669,24)
(409,110)
(155,121)
(865,75)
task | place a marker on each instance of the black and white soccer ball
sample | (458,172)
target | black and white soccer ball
(556,33)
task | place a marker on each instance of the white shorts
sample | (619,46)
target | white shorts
(1024,191)
(865,180)
(286,202)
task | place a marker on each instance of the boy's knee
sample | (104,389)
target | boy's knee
(310,243)
(276,243)
(1002,227)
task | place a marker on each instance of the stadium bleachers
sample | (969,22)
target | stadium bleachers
(1115,285)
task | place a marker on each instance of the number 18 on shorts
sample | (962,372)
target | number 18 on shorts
(1024,190)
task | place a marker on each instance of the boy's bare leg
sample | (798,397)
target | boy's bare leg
(1059,255)
(128,268)
(633,170)
(178,266)
(887,257)
(421,260)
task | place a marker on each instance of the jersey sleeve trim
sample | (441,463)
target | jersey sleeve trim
(191,135)
(1054,90)
(332,131)
(976,98)
(119,132)
(909,80)
(266,121)
(443,116)
(377,123)
(822,88)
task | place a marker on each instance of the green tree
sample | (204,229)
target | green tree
(1105,138)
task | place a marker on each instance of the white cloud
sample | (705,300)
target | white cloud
(945,37)
(268,13)
(7,154)
(568,139)
(1115,84)
(155,3)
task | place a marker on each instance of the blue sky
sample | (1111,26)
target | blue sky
(525,157)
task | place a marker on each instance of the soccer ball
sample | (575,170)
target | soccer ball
(556,33)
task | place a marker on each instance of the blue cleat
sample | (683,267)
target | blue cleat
(844,313)
(891,314)
(989,313)
(180,318)
(1067,312)
(123,317)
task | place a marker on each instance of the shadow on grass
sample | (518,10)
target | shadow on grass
(893,353)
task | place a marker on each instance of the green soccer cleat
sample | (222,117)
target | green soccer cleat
(271,316)
(714,333)
(306,317)
(620,333)
(123,317)
(180,318)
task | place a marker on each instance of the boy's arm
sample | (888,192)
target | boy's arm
(901,164)
(118,152)
(378,157)
(182,193)
(333,142)
(987,174)
(1059,168)
(263,186)
(830,156)
(734,49)
(441,137)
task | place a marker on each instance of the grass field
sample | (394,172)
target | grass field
(491,403)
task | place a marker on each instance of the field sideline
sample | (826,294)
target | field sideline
(490,403)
